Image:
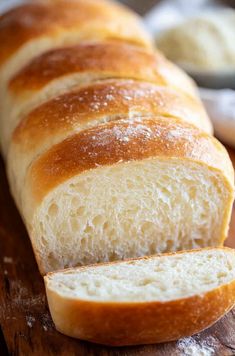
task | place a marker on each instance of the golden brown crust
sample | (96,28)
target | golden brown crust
(108,59)
(124,141)
(133,323)
(136,324)
(108,100)
(114,60)
(95,18)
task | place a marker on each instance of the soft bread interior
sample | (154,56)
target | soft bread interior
(158,278)
(129,210)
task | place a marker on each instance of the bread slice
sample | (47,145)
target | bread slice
(126,189)
(146,300)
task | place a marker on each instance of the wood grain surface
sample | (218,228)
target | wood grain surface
(26,326)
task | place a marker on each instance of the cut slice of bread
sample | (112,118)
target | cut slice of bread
(146,300)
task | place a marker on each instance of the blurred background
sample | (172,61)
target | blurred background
(142,6)
(199,36)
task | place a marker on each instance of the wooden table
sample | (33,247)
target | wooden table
(26,326)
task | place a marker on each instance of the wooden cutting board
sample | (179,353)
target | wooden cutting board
(26,325)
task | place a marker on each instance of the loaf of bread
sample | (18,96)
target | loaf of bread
(143,301)
(108,149)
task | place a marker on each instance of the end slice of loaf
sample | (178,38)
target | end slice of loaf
(145,300)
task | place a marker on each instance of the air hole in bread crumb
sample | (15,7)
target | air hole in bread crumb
(169,245)
(83,243)
(114,200)
(153,247)
(199,242)
(147,226)
(230,267)
(145,282)
(74,224)
(113,256)
(75,202)
(80,211)
(192,193)
(209,257)
(53,210)
(52,261)
(221,275)
(113,233)
(44,241)
(129,184)
(106,226)
(88,229)
(98,220)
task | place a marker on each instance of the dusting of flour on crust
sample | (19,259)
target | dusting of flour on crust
(191,347)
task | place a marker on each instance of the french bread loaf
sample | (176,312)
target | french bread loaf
(143,301)
(108,149)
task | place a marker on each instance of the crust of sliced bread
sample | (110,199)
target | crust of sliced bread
(100,60)
(124,141)
(135,323)
(101,102)
(54,19)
